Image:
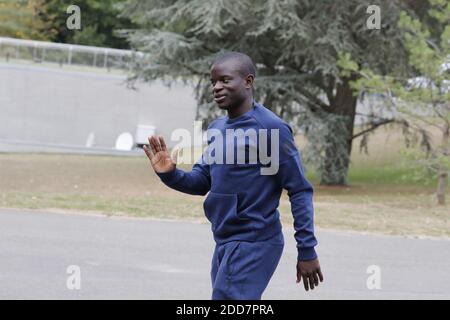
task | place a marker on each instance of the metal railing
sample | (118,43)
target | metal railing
(65,54)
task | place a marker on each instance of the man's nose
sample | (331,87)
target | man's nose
(217,86)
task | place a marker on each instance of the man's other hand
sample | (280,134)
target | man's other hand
(310,272)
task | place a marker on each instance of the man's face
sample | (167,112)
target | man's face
(230,88)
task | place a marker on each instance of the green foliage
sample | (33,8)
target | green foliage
(26,19)
(46,20)
(422,169)
(295,44)
(99,22)
(423,102)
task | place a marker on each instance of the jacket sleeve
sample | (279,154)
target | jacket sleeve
(300,191)
(195,182)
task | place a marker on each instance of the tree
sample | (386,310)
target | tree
(422,102)
(296,46)
(26,19)
(99,22)
(46,20)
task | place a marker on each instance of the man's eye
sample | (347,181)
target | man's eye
(226,81)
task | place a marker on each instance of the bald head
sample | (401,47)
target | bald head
(243,63)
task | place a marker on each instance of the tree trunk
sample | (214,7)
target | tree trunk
(339,139)
(443,174)
(442,181)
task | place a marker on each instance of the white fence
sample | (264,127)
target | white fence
(65,54)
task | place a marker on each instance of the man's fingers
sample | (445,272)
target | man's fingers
(155,144)
(320,275)
(305,282)
(152,145)
(158,145)
(299,276)
(311,275)
(316,279)
(148,152)
(162,143)
(311,281)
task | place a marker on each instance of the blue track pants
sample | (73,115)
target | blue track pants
(242,270)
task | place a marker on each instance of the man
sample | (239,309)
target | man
(243,198)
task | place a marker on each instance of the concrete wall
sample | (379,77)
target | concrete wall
(60,106)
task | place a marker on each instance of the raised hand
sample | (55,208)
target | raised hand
(159,155)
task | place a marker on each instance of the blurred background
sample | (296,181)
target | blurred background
(365,85)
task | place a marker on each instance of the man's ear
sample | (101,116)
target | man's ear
(249,81)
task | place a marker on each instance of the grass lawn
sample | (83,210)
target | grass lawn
(378,199)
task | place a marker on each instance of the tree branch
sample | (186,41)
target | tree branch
(190,69)
(373,127)
(370,116)
(314,99)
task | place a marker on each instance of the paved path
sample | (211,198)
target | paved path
(125,258)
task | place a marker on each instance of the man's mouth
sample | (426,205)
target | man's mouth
(219,99)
